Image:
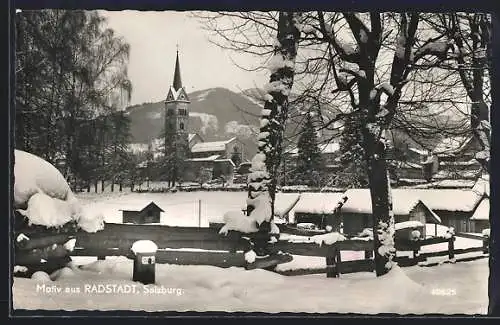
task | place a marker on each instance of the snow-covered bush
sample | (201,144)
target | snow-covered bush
(44,197)
(238,221)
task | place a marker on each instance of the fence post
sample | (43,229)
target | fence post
(451,249)
(368,254)
(331,263)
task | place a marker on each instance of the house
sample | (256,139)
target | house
(356,213)
(455,207)
(318,209)
(142,214)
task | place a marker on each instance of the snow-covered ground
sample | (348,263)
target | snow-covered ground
(181,208)
(106,285)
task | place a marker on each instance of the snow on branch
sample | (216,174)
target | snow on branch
(438,49)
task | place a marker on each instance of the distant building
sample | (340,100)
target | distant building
(357,211)
(142,214)
(219,157)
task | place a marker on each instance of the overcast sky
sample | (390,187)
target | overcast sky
(153,37)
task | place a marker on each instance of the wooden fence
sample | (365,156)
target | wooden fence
(205,246)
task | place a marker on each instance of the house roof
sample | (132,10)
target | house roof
(212,146)
(403,202)
(463,200)
(191,136)
(284,202)
(419,151)
(318,203)
(140,207)
(209,158)
(325,148)
(452,145)
(482,211)
(482,186)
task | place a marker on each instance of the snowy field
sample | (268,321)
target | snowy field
(181,208)
(106,285)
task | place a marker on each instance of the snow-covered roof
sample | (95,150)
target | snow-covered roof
(471,162)
(359,201)
(209,158)
(211,146)
(284,202)
(139,206)
(408,224)
(403,202)
(325,148)
(320,203)
(191,136)
(452,145)
(226,160)
(482,211)
(137,147)
(464,200)
(453,174)
(482,185)
(418,151)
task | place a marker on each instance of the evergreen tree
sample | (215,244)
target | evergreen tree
(310,164)
(353,171)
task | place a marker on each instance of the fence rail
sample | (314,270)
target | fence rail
(205,246)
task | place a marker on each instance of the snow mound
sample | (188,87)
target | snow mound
(20,269)
(42,190)
(328,238)
(408,224)
(63,273)
(144,246)
(486,232)
(47,211)
(33,175)
(236,220)
(41,277)
(250,256)
(262,207)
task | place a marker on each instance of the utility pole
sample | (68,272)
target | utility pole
(199,213)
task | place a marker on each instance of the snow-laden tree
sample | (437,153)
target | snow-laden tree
(262,180)
(309,164)
(70,72)
(353,173)
(471,35)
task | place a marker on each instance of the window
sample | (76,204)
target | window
(182,112)
(170,112)
(181,126)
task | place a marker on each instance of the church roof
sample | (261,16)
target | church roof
(177,74)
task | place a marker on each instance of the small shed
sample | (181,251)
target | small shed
(318,209)
(357,211)
(142,214)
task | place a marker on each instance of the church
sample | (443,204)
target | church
(218,158)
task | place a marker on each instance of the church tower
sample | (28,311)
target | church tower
(176,123)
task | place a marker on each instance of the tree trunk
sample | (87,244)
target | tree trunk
(266,163)
(383,216)
(102,185)
(95,185)
(121,186)
(112,185)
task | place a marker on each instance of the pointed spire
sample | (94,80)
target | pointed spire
(177,74)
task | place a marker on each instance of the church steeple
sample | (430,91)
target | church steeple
(177,74)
